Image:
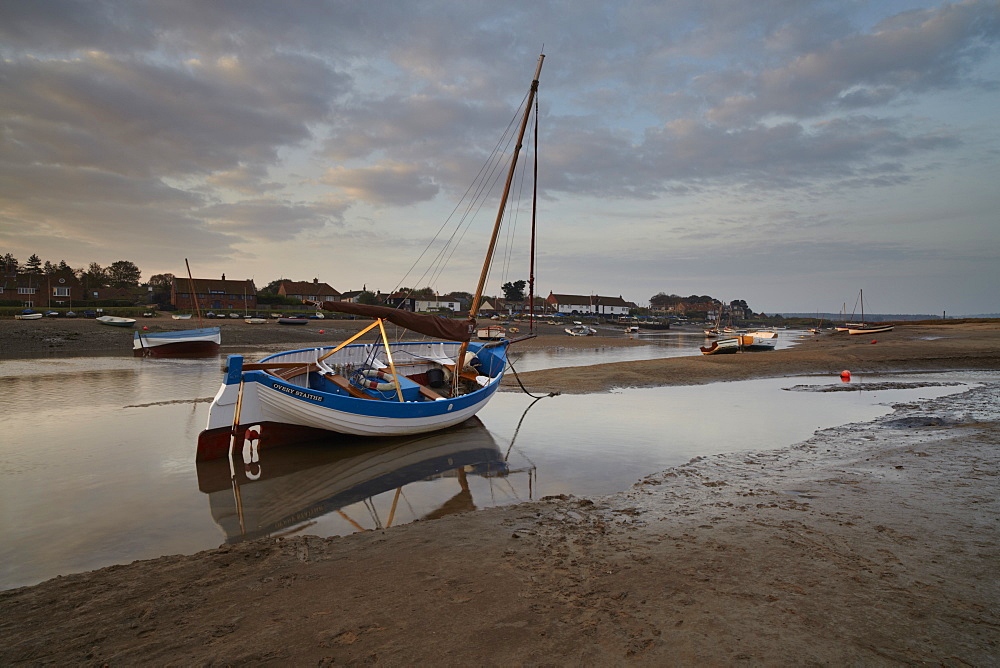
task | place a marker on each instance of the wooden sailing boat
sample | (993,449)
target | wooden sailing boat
(863,327)
(201,342)
(370,389)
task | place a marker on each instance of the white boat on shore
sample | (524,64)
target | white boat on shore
(870,329)
(491,333)
(28,316)
(180,316)
(182,343)
(580,329)
(115,321)
(732,344)
(761,339)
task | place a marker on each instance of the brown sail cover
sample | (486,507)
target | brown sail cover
(429,325)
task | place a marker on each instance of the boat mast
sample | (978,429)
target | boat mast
(478,297)
(194,295)
(534,210)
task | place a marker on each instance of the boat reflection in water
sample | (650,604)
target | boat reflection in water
(280,490)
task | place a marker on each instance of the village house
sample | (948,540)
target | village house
(351,296)
(398,300)
(307,291)
(438,304)
(60,288)
(596,305)
(213,294)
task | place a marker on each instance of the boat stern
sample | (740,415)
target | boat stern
(235,394)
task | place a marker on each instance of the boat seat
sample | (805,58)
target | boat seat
(288,374)
(429,393)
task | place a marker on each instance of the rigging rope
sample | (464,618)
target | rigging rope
(523,388)
(475,197)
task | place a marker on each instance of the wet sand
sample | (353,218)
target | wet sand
(872,544)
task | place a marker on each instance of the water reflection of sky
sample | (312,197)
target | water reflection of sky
(97,454)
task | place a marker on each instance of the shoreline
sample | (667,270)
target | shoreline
(871,543)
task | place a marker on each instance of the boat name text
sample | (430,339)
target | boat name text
(296,393)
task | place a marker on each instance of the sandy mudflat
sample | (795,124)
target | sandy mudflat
(868,544)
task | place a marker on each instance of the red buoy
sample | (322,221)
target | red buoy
(845,374)
(322,332)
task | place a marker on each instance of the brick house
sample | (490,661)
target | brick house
(313,291)
(120,294)
(60,288)
(212,293)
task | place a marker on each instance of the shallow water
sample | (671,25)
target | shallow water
(97,458)
(666,343)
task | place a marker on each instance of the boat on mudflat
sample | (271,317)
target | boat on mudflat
(491,333)
(115,321)
(28,315)
(761,339)
(365,389)
(580,329)
(870,329)
(293,321)
(863,327)
(181,343)
(732,344)
(383,388)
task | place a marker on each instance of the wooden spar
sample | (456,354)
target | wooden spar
(353,338)
(478,297)
(392,511)
(388,356)
(534,209)
(194,295)
(350,521)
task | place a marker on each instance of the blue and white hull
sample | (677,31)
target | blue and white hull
(315,392)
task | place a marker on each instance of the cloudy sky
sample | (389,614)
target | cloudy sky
(784,152)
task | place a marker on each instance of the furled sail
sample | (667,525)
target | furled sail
(429,325)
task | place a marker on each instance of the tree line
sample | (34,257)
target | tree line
(118,274)
(125,274)
(662,299)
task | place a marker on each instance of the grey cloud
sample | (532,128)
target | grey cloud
(131,117)
(247,179)
(266,219)
(53,26)
(927,50)
(386,184)
(20,182)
